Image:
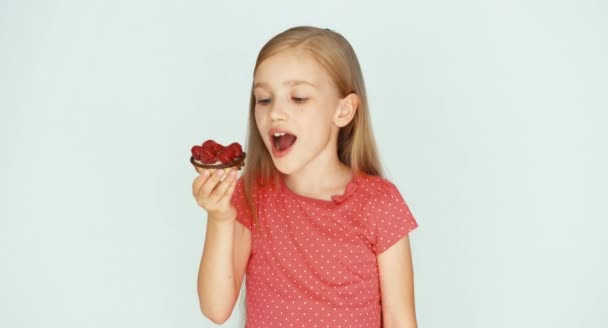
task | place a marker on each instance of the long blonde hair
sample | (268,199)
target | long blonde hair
(356,144)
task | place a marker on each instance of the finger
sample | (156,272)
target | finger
(207,187)
(200,170)
(199,181)
(230,190)
(220,190)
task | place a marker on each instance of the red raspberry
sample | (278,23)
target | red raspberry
(196,152)
(213,146)
(236,148)
(226,156)
(207,156)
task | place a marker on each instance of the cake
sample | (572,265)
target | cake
(212,155)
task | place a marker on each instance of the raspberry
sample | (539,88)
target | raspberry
(213,146)
(207,156)
(236,148)
(196,152)
(225,156)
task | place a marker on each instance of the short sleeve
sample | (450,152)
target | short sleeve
(393,217)
(239,201)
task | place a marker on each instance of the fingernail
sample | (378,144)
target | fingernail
(233,174)
(205,173)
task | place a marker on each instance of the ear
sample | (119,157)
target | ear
(346,110)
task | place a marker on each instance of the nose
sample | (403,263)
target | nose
(277,112)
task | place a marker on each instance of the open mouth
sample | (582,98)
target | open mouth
(282,141)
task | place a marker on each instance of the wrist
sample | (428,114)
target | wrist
(222,218)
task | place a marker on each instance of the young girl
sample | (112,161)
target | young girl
(321,236)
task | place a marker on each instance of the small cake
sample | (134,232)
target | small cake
(212,155)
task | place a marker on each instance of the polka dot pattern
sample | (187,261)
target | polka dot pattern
(313,262)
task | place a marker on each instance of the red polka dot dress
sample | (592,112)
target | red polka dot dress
(313,262)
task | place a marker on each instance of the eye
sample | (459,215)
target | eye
(265,101)
(299,99)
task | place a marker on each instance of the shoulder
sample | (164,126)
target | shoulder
(381,196)
(386,211)
(376,187)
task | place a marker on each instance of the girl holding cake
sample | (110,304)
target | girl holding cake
(320,235)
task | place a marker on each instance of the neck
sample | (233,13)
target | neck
(320,179)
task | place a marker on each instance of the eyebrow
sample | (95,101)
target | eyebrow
(287,83)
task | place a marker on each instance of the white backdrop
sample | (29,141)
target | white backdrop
(490,117)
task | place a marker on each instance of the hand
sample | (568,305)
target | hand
(213,189)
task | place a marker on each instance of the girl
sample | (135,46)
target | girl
(320,235)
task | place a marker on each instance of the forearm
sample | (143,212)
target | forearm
(399,323)
(404,318)
(216,284)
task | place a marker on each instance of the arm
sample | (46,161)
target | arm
(222,268)
(227,246)
(397,285)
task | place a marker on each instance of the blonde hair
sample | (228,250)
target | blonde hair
(356,144)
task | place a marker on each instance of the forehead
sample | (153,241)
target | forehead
(288,68)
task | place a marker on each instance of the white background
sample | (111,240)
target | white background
(490,117)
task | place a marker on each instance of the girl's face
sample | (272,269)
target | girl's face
(295,111)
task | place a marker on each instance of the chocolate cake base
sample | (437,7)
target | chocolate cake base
(238,162)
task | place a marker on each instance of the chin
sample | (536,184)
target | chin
(284,167)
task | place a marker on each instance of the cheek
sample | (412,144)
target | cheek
(258,118)
(326,110)
(259,122)
(320,126)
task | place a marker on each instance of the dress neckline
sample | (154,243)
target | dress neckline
(350,189)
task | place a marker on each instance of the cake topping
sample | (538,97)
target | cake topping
(213,155)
